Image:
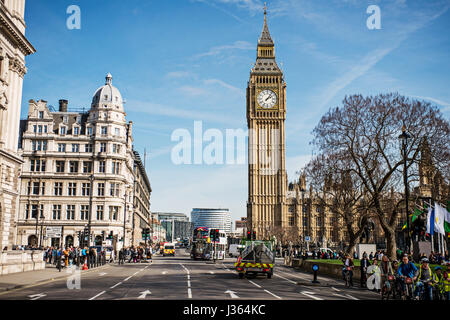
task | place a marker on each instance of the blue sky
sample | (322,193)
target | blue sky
(179,61)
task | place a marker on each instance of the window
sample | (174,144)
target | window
(61,147)
(56,212)
(73,166)
(41,114)
(101,189)
(35,128)
(89,131)
(88,148)
(305,222)
(70,213)
(114,148)
(34,211)
(43,188)
(101,166)
(39,145)
(62,130)
(39,129)
(117,132)
(115,167)
(58,188)
(72,189)
(35,188)
(76,131)
(60,166)
(114,191)
(84,212)
(66,119)
(87,166)
(99,212)
(103,147)
(104,131)
(75,147)
(85,189)
(45,129)
(291,221)
(113,213)
(37,165)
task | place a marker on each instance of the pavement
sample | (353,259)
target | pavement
(178,278)
(18,280)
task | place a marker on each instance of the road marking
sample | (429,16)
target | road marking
(164,272)
(272,294)
(335,289)
(37,296)
(212,272)
(189,293)
(311,296)
(127,278)
(189,283)
(286,279)
(189,276)
(102,273)
(351,297)
(339,295)
(97,295)
(144,294)
(294,275)
(116,285)
(232,294)
(254,283)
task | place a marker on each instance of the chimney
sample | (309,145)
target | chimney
(63,105)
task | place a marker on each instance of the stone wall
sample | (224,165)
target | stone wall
(21,261)
(325,269)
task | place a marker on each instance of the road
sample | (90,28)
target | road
(181,278)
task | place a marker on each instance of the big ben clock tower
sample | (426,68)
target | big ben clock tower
(266,115)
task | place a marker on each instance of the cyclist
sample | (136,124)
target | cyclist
(397,284)
(439,287)
(446,283)
(406,269)
(425,281)
(386,271)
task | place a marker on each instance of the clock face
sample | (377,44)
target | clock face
(267,99)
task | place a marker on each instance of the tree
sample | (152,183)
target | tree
(364,134)
(336,188)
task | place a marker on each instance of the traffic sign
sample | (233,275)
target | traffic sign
(307,238)
(53,232)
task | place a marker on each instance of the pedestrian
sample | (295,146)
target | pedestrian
(121,256)
(371,256)
(364,264)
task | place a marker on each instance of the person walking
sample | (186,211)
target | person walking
(364,264)
(121,256)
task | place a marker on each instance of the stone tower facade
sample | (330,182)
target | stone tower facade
(266,115)
(14,47)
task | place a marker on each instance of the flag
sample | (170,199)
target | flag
(430,221)
(447,218)
(414,216)
(439,217)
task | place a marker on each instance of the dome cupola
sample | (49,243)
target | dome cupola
(108,96)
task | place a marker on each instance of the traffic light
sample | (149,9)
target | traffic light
(254,235)
(216,235)
(212,234)
(249,235)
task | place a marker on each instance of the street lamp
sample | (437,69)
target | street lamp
(127,187)
(404,140)
(42,217)
(303,215)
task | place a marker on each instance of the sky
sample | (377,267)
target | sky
(181,61)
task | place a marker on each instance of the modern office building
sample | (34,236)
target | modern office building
(177,225)
(212,218)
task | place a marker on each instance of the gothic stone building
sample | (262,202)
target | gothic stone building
(14,46)
(76,166)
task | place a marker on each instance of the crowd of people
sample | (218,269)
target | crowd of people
(69,256)
(425,281)
(135,254)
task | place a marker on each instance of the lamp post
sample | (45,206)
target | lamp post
(42,217)
(404,140)
(125,215)
(303,216)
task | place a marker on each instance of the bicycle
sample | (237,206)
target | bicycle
(408,294)
(388,287)
(347,276)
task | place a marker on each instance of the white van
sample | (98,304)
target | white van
(235,250)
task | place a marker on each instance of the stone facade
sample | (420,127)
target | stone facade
(14,47)
(79,165)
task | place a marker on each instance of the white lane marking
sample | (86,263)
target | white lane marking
(116,285)
(294,275)
(272,294)
(189,293)
(144,294)
(232,294)
(189,276)
(37,296)
(189,283)
(311,296)
(212,272)
(339,295)
(286,279)
(351,297)
(97,295)
(127,278)
(335,289)
(254,283)
(164,272)
(102,273)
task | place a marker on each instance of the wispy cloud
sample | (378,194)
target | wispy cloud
(224,84)
(238,45)
(179,74)
(436,101)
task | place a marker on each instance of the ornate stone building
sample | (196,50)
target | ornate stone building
(14,47)
(79,173)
